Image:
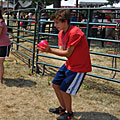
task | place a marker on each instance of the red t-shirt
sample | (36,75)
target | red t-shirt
(79,61)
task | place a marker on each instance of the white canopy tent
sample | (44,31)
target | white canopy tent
(104,6)
(116,5)
(49,6)
(92,2)
(69,3)
(72,3)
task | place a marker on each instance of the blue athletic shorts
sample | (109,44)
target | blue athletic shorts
(68,81)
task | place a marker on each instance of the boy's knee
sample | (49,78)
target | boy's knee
(55,86)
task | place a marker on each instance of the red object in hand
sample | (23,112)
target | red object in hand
(21,23)
(43,44)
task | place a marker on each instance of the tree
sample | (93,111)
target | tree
(111,2)
(76,3)
(56,3)
(46,2)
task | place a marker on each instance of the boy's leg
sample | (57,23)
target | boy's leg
(68,104)
(75,81)
(59,77)
(59,95)
(67,101)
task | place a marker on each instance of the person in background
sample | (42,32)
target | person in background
(25,23)
(73,18)
(17,16)
(109,31)
(44,17)
(29,18)
(94,28)
(74,46)
(4,45)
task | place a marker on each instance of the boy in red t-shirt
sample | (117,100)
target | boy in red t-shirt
(72,45)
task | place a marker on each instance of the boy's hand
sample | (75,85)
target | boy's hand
(44,49)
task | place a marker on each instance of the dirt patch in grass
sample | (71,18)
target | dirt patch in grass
(24,96)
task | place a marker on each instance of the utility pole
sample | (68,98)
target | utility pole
(76,3)
(76,10)
(7,5)
(14,4)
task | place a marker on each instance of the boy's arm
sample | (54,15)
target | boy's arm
(60,52)
(65,53)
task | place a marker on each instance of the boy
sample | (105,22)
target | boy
(73,45)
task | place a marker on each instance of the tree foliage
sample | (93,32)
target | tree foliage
(56,3)
(111,2)
(46,2)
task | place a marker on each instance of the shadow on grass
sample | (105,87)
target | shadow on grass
(19,83)
(93,116)
(102,87)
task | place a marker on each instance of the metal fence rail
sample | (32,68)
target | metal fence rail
(18,37)
(43,28)
(87,29)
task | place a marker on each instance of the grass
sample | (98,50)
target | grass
(26,96)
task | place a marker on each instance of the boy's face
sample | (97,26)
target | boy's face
(60,25)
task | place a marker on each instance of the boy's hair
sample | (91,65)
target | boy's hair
(62,15)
